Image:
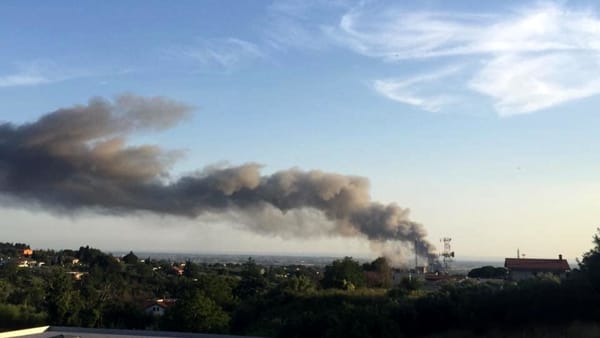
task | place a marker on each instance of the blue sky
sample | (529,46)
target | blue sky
(480,117)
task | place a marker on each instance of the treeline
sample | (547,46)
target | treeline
(89,288)
(345,299)
(544,307)
(467,306)
(488,272)
(8,249)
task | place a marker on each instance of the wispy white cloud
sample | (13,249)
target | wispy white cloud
(223,54)
(37,73)
(22,79)
(396,35)
(524,84)
(526,59)
(299,24)
(415,90)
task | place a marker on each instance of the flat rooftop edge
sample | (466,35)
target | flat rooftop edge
(80,332)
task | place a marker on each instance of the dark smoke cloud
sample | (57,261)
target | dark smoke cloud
(77,159)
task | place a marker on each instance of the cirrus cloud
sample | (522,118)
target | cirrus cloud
(224,54)
(416,91)
(39,72)
(525,60)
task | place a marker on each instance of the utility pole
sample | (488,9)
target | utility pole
(447,254)
(416,256)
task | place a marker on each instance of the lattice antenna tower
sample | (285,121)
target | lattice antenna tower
(447,254)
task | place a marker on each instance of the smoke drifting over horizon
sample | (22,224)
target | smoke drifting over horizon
(76,159)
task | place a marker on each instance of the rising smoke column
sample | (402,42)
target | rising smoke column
(77,159)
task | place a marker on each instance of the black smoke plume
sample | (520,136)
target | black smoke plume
(77,159)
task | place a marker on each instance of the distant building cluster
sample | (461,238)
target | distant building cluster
(22,259)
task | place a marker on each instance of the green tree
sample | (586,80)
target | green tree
(488,272)
(298,284)
(405,287)
(220,289)
(62,302)
(6,289)
(344,274)
(590,263)
(9,270)
(382,272)
(191,269)
(20,316)
(195,312)
(253,282)
(44,256)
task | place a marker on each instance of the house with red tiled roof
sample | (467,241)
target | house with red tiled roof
(524,268)
(158,307)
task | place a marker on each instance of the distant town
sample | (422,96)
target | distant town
(267,297)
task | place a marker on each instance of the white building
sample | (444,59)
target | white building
(525,268)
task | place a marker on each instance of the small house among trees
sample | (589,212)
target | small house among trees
(159,306)
(130,258)
(525,268)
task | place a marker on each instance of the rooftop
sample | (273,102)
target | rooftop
(538,264)
(78,332)
(162,302)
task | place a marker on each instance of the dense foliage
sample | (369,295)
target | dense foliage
(488,272)
(12,249)
(344,274)
(89,288)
